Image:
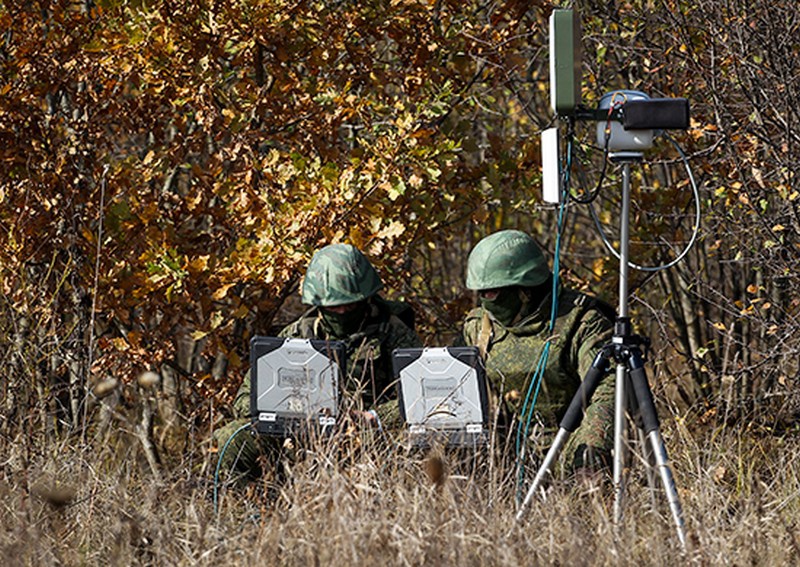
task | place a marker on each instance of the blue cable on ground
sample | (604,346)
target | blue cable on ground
(219,461)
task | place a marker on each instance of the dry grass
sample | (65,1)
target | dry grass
(62,503)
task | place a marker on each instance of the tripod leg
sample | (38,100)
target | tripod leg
(649,465)
(647,453)
(619,445)
(644,397)
(569,423)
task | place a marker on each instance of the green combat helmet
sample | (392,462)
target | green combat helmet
(506,258)
(339,274)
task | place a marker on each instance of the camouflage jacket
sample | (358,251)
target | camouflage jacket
(582,326)
(368,381)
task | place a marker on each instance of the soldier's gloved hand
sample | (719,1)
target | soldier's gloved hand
(367,418)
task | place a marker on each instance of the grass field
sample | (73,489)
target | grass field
(73,503)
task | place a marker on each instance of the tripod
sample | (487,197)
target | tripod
(625,349)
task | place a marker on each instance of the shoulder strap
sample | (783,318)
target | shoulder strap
(485,335)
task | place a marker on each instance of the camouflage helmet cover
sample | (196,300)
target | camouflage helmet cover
(339,274)
(506,258)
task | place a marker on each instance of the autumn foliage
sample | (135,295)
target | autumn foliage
(168,168)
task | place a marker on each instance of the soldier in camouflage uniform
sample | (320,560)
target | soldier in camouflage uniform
(511,328)
(341,286)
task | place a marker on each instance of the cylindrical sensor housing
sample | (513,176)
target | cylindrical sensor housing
(622,140)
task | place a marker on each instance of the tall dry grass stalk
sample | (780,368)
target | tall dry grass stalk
(69,504)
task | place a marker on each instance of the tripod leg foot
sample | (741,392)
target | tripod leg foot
(644,397)
(571,420)
(547,465)
(660,453)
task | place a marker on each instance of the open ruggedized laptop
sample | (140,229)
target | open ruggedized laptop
(442,395)
(294,383)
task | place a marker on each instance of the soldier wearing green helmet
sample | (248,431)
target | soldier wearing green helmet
(341,287)
(511,329)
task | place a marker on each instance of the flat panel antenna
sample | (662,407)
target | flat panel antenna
(565,62)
